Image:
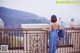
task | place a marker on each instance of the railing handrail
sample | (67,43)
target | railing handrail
(28,29)
(72,28)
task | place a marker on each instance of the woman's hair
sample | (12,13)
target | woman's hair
(53,18)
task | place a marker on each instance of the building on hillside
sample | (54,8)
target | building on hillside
(1,23)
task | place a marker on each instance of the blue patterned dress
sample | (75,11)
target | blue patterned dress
(53,41)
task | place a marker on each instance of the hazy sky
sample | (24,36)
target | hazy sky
(45,8)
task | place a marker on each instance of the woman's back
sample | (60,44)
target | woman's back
(55,26)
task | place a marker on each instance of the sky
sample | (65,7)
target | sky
(45,8)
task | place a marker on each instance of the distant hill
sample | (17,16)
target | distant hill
(14,18)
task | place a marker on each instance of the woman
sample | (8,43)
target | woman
(53,36)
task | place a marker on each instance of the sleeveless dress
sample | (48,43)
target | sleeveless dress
(53,40)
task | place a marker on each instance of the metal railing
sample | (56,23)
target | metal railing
(38,42)
(70,43)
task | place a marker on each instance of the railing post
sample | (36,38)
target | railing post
(24,32)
